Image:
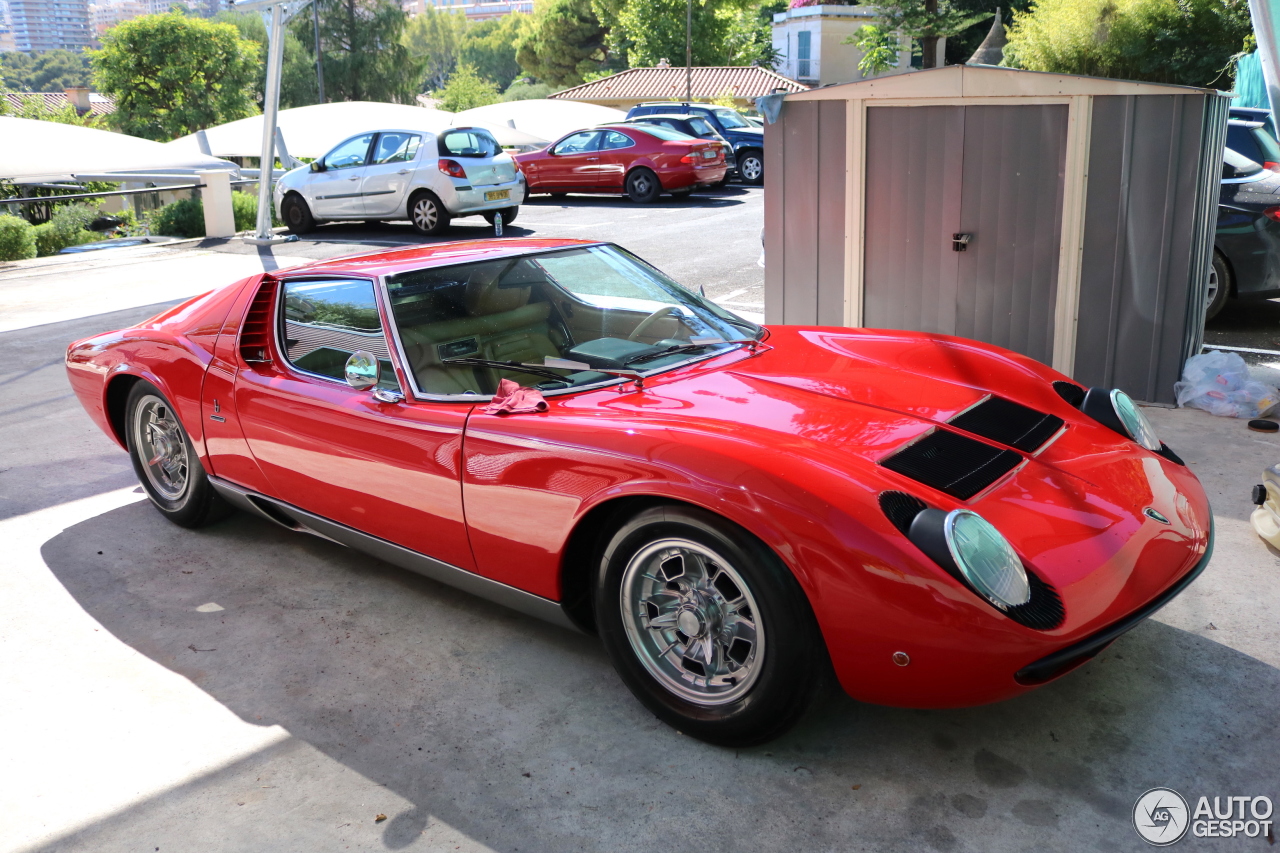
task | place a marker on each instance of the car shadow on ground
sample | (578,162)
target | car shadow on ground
(519,736)
(1246,323)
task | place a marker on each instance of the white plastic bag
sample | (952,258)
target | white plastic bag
(1219,383)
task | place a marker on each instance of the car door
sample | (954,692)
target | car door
(389,469)
(617,150)
(390,170)
(572,164)
(335,192)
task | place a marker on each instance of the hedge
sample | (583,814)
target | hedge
(17,238)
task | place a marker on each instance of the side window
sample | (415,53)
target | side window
(349,154)
(579,143)
(396,148)
(701,128)
(323,322)
(614,140)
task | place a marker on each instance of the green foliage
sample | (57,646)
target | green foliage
(565,42)
(962,45)
(1190,42)
(34,107)
(465,90)
(172,75)
(68,227)
(490,46)
(51,71)
(879,46)
(434,39)
(185,218)
(725,32)
(365,58)
(17,238)
(915,20)
(522,91)
(298,70)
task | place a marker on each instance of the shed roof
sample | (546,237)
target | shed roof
(99,105)
(985,81)
(657,84)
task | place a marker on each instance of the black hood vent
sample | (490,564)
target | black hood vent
(952,463)
(1008,423)
(1070,391)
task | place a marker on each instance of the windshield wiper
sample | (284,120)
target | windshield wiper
(690,347)
(504,365)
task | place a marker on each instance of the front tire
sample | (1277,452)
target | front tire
(643,186)
(751,168)
(1219,286)
(707,627)
(428,214)
(296,215)
(166,462)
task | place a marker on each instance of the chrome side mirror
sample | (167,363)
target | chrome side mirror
(363,370)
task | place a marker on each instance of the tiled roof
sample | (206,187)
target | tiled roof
(658,84)
(99,105)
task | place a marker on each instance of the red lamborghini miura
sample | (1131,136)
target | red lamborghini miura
(736,510)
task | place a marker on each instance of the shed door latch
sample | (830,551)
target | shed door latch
(960,242)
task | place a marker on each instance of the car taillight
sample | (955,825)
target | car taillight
(1272,213)
(452,168)
(1272,165)
(689,158)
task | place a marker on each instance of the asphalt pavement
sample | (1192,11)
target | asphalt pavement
(243,688)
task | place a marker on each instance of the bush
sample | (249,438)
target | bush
(68,227)
(17,238)
(186,218)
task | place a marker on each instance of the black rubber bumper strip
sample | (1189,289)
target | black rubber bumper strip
(1051,666)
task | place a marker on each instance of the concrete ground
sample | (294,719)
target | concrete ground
(241,688)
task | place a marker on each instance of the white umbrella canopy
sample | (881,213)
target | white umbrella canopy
(543,117)
(40,151)
(313,131)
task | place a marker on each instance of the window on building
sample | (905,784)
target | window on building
(802,54)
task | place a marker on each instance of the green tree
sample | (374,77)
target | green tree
(298,70)
(364,56)
(51,71)
(466,89)
(521,90)
(1189,42)
(962,45)
(490,46)
(434,40)
(564,42)
(172,75)
(923,21)
(652,30)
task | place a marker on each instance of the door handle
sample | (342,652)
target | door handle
(593,159)
(354,178)
(960,242)
(403,172)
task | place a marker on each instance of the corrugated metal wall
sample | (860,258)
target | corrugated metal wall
(805,179)
(1144,199)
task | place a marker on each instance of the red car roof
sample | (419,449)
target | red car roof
(435,255)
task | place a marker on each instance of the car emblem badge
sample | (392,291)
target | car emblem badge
(1151,513)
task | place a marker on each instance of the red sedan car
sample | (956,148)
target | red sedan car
(735,510)
(640,162)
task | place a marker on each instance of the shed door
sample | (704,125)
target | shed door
(992,172)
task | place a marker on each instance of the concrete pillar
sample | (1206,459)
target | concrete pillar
(219,219)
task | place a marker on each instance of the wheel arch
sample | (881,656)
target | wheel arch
(1226,259)
(117,395)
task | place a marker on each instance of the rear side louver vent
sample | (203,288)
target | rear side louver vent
(255,335)
(1008,423)
(952,463)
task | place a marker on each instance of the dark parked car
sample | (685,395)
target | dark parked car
(746,138)
(697,127)
(1246,257)
(1252,139)
(1255,114)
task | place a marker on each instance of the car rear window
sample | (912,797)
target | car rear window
(468,142)
(1240,140)
(1235,165)
(666,133)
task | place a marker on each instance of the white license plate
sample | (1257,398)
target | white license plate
(497,195)
(710,155)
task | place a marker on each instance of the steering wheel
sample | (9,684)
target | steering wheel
(664,311)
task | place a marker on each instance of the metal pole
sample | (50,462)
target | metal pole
(315,18)
(270,106)
(688,52)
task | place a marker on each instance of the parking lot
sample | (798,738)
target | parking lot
(244,688)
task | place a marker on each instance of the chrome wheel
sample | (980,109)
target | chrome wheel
(161,447)
(1211,290)
(692,621)
(751,168)
(426,214)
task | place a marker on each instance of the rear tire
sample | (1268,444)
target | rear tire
(296,215)
(751,167)
(1219,286)
(428,214)
(166,462)
(678,585)
(508,214)
(643,186)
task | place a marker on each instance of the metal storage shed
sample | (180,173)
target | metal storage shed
(1068,218)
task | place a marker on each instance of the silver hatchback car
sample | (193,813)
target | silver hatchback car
(427,178)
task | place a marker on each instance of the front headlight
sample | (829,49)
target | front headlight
(1136,423)
(986,559)
(971,549)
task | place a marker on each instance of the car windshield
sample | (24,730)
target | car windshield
(557,320)
(729,118)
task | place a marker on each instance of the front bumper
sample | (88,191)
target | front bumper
(466,200)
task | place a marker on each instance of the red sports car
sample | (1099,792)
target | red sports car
(642,162)
(736,510)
